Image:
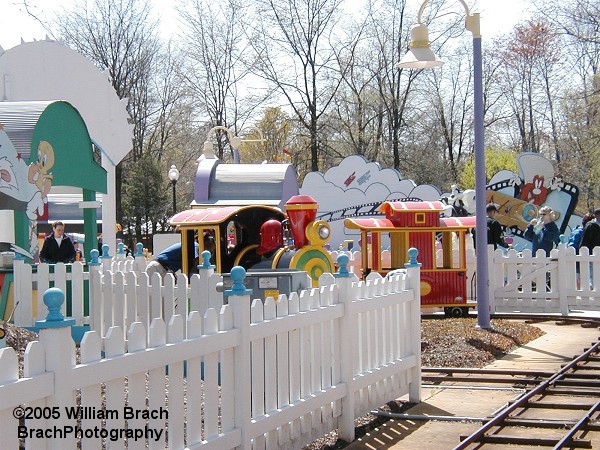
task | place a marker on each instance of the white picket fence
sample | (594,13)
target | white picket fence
(123,294)
(563,283)
(254,375)
(70,278)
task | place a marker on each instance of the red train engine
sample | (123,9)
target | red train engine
(441,243)
(258,237)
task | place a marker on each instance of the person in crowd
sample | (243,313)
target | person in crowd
(543,232)
(591,233)
(78,252)
(169,260)
(494,229)
(577,234)
(57,247)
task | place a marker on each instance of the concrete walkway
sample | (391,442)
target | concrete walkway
(559,345)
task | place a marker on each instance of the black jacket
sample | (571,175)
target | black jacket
(591,235)
(51,253)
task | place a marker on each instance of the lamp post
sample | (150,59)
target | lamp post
(234,141)
(174,176)
(420,56)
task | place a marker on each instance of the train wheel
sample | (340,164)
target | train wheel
(454,312)
(313,260)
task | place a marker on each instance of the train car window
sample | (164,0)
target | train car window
(420,218)
(450,250)
(189,242)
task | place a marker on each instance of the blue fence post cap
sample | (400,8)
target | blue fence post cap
(412,258)
(342,261)
(139,249)
(238,273)
(120,248)
(53,299)
(94,254)
(205,255)
(105,252)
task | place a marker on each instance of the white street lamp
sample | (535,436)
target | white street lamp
(420,56)
(234,141)
(174,176)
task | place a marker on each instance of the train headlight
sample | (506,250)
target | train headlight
(318,232)
(323,232)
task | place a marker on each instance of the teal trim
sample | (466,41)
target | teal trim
(53,299)
(238,274)
(90,227)
(412,258)
(342,261)
(77,332)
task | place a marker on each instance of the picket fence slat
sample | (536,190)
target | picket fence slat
(175,386)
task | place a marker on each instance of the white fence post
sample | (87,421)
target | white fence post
(562,280)
(105,258)
(55,337)
(140,260)
(413,270)
(95,297)
(348,343)
(239,301)
(495,276)
(23,292)
(200,297)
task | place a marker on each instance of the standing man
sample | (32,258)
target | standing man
(591,233)
(57,246)
(494,229)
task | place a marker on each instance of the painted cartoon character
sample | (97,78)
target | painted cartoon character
(40,176)
(537,180)
(534,192)
(39,170)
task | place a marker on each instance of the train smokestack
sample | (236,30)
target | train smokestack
(301,210)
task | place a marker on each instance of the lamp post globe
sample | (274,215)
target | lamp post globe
(174,176)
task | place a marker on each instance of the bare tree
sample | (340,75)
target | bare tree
(118,36)
(214,71)
(527,82)
(296,51)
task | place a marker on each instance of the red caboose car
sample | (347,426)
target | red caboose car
(441,243)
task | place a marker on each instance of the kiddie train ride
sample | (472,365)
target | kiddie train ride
(258,237)
(441,242)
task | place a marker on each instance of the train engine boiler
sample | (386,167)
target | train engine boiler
(295,243)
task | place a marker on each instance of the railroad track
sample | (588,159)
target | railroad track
(562,411)
(584,321)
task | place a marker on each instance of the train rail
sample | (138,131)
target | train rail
(584,321)
(543,408)
(560,412)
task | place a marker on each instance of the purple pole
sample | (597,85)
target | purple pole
(483,304)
